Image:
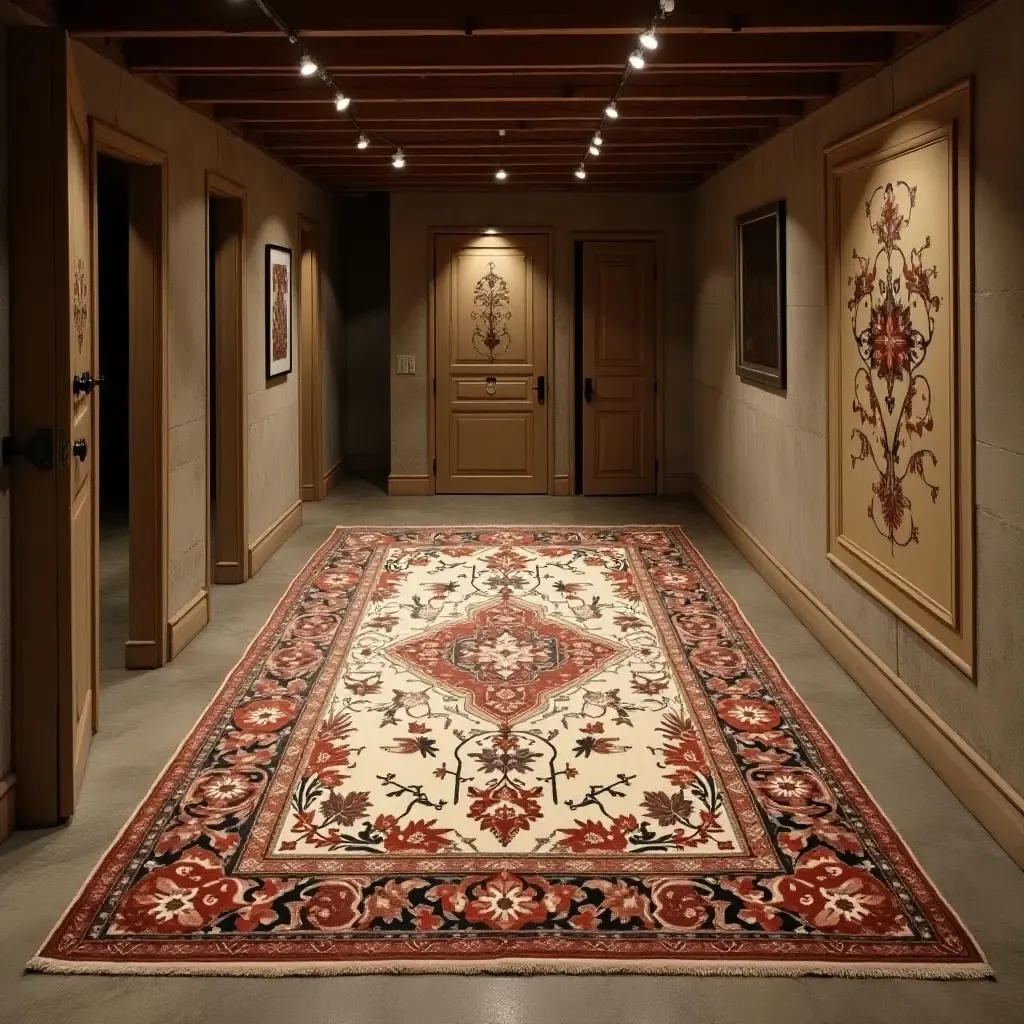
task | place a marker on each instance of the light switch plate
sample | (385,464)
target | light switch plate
(405,364)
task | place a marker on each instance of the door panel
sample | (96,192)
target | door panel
(54,624)
(619,368)
(491,335)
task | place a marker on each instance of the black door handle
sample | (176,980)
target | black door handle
(588,388)
(36,451)
(539,388)
(80,449)
(82,384)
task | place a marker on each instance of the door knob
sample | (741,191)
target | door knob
(588,388)
(80,449)
(82,384)
(36,451)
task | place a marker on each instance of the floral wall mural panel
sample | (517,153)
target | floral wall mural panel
(899,357)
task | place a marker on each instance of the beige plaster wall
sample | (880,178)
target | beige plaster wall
(763,454)
(413,214)
(276,199)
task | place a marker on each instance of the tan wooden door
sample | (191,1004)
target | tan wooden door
(54,628)
(619,368)
(491,375)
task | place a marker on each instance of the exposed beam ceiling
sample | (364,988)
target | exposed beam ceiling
(440,79)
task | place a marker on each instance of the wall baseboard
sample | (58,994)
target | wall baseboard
(978,786)
(6,806)
(273,537)
(680,483)
(142,654)
(408,486)
(561,485)
(185,625)
(228,573)
(333,475)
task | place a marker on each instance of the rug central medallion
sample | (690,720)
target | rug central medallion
(506,658)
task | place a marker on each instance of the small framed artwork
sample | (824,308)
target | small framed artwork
(279,310)
(761,295)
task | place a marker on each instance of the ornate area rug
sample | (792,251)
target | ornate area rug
(509,749)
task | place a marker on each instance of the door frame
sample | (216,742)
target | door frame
(576,307)
(234,570)
(147,412)
(508,229)
(311,366)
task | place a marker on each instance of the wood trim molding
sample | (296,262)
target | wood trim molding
(408,486)
(6,805)
(989,797)
(184,626)
(310,363)
(333,475)
(679,483)
(560,488)
(273,537)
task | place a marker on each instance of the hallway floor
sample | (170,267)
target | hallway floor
(143,717)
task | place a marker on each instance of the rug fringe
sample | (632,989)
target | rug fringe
(525,967)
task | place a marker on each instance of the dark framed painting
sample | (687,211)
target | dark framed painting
(279,310)
(761,295)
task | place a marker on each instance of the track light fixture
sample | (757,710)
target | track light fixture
(398,160)
(611,111)
(648,40)
(597,140)
(308,66)
(362,142)
(594,151)
(341,102)
(581,172)
(637,59)
(500,174)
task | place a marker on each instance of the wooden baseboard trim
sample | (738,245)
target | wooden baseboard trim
(309,493)
(228,573)
(408,486)
(273,537)
(978,786)
(679,483)
(561,485)
(333,475)
(142,654)
(185,625)
(6,806)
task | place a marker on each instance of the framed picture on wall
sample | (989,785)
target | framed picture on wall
(761,295)
(279,310)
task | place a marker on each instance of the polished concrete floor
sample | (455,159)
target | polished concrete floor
(145,715)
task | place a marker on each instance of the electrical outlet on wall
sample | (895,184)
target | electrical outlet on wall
(405,364)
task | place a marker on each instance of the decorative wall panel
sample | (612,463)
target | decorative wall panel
(900,371)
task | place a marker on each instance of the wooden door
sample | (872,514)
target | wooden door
(54,536)
(310,367)
(619,368)
(491,375)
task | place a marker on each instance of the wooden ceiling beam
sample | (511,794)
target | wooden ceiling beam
(398,18)
(497,115)
(738,51)
(292,90)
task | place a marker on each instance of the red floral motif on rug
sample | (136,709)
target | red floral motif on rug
(509,749)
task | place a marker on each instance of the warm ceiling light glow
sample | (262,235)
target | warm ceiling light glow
(362,142)
(637,60)
(341,102)
(598,141)
(500,174)
(308,66)
(581,172)
(594,151)
(611,110)
(398,160)
(490,231)
(648,40)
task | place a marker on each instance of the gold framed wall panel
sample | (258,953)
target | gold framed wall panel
(900,368)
